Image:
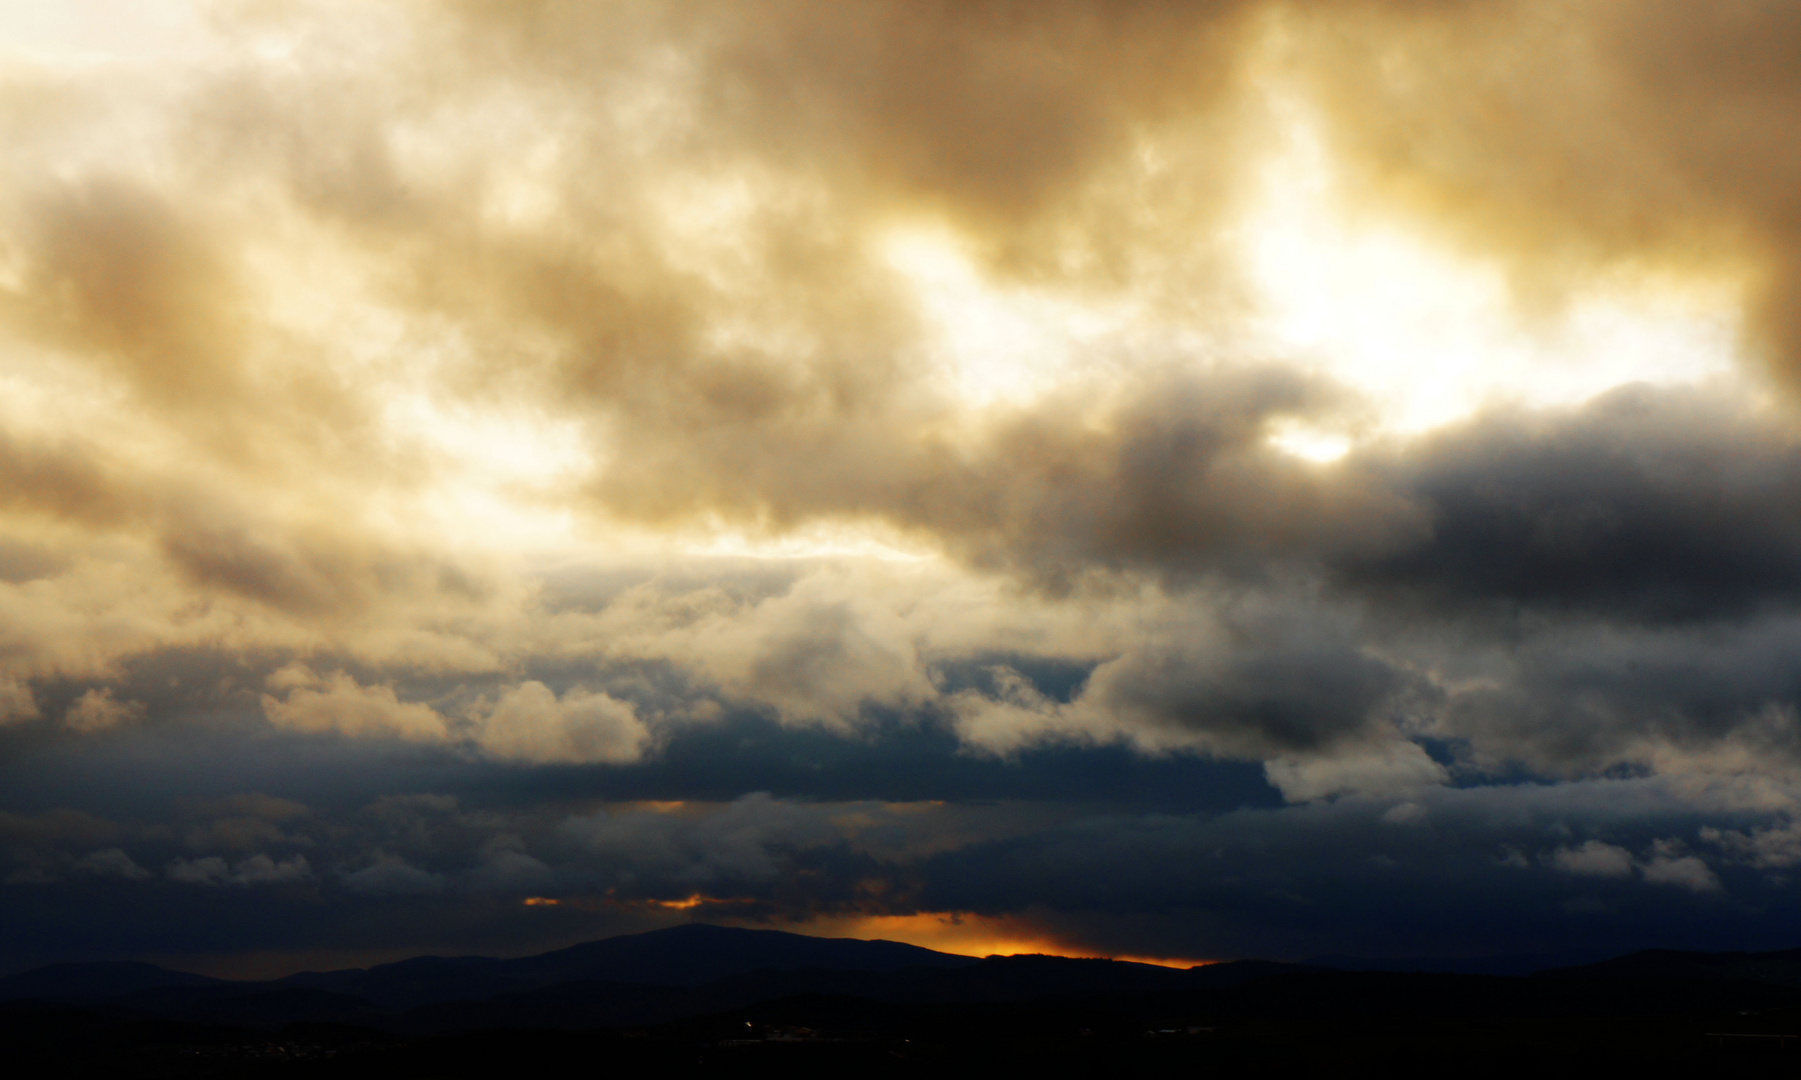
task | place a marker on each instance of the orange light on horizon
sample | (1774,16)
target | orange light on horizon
(969,934)
(960,933)
(694,900)
(610,901)
(1183,963)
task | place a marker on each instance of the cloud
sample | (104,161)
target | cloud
(1635,138)
(390,876)
(1686,871)
(256,869)
(1395,767)
(836,458)
(1593,858)
(746,843)
(991,111)
(509,869)
(97,711)
(530,723)
(1314,875)
(16,702)
(1644,504)
(1668,864)
(1774,847)
(342,705)
(1704,699)
(111,862)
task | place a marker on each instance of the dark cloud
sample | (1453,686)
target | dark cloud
(1472,872)
(1588,696)
(1259,703)
(1642,505)
(1591,865)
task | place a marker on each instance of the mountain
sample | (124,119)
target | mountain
(255,1005)
(693,971)
(682,956)
(997,981)
(671,998)
(1780,968)
(645,978)
(69,982)
(688,955)
(1500,964)
(1024,978)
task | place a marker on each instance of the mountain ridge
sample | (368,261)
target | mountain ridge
(1779,967)
(697,970)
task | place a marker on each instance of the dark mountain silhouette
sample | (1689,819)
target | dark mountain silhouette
(997,980)
(646,978)
(706,986)
(1501,964)
(262,1005)
(679,956)
(1781,968)
(68,982)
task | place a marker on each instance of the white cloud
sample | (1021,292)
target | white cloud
(1399,767)
(345,707)
(530,723)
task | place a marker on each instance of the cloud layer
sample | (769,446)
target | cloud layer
(815,462)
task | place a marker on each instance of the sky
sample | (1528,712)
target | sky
(1179,481)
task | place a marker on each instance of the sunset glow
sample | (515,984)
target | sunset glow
(970,934)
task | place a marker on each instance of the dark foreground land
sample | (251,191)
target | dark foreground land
(707,1000)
